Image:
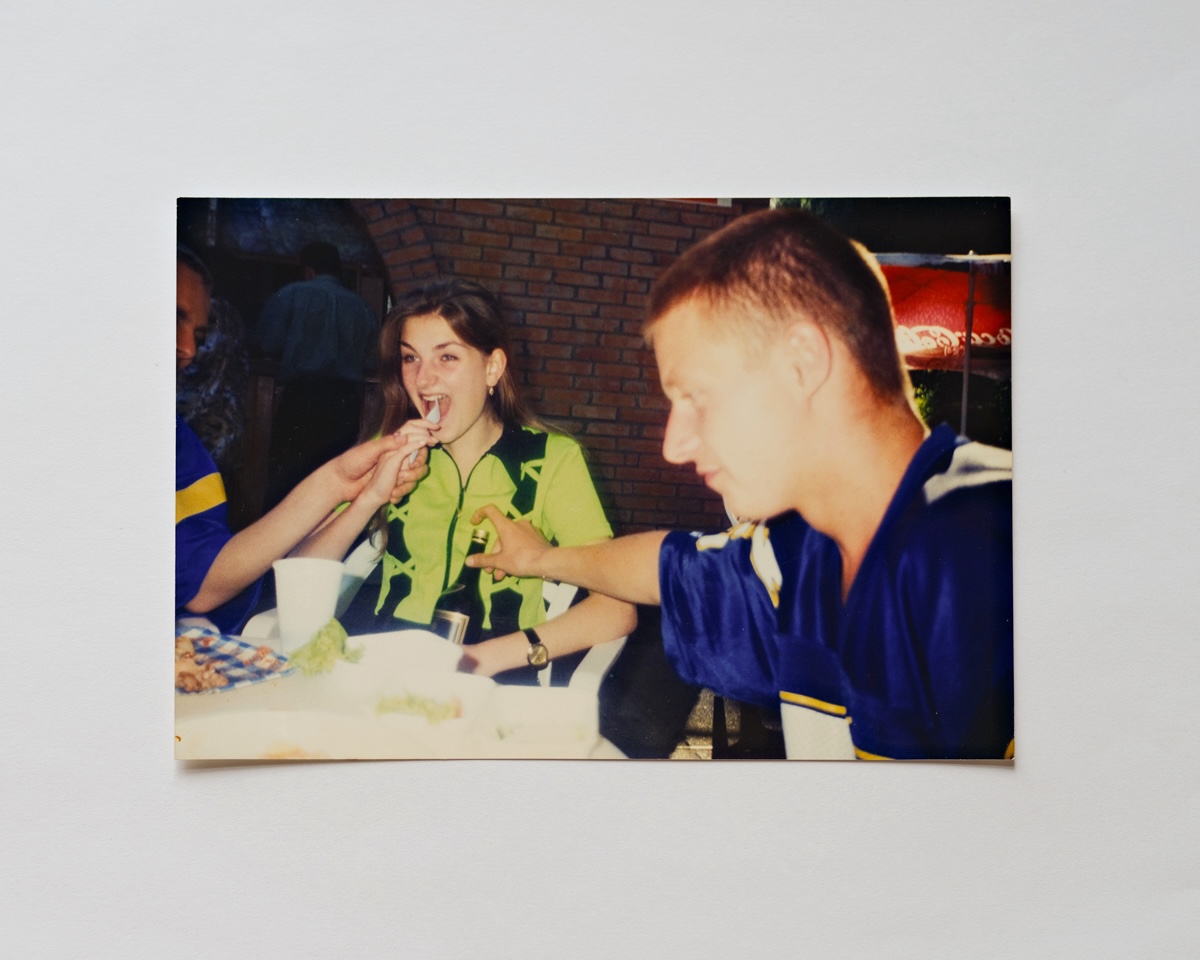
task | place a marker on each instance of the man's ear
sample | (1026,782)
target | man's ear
(810,355)
(497,363)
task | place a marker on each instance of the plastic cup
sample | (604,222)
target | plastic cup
(306,593)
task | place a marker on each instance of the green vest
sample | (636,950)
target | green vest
(529,475)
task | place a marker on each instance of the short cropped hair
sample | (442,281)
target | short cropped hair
(184,257)
(777,263)
(323,258)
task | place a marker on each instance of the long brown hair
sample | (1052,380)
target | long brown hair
(475,316)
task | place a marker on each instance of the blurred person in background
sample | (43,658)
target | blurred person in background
(325,336)
(218,574)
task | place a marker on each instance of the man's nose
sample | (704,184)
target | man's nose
(185,345)
(679,440)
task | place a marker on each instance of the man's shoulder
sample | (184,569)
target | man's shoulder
(973,467)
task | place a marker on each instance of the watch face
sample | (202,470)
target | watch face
(539,656)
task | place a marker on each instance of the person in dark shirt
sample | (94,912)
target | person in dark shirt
(873,600)
(325,337)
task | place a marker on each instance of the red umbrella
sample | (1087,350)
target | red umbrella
(952,312)
(930,296)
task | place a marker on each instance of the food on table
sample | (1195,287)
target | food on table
(191,675)
(435,711)
(326,648)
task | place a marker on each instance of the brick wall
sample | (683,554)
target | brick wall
(574,276)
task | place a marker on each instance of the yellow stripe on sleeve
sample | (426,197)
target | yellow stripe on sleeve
(204,494)
(812,703)
(863,755)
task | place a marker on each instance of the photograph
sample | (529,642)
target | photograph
(675,478)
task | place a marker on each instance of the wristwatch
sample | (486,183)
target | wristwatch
(538,656)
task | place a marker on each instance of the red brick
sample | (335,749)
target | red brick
(606,266)
(548,319)
(552,290)
(397,206)
(532,334)
(650,273)
(624,314)
(599,354)
(460,251)
(585,249)
(518,258)
(576,219)
(513,288)
(556,350)
(625,225)
(485,239)
(622,341)
(510,227)
(573,307)
(527,273)
(626,284)
(710,221)
(552,232)
(641,415)
(560,263)
(600,323)
(447,218)
(608,429)
(601,296)
(662,214)
(618,371)
(554,380)
(487,207)
(655,243)
(528,303)
(627,255)
(605,237)
(670,230)
(576,278)
(610,207)
(537,214)
(443,234)
(533,243)
(576,337)
(477,268)
(565,204)
(590,412)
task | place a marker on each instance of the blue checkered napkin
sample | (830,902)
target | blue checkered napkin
(238,662)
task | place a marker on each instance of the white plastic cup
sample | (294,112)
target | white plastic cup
(306,593)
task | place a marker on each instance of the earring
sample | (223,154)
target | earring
(491,391)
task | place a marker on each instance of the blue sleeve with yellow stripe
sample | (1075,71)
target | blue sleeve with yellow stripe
(201,530)
(719,621)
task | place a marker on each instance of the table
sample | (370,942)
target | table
(335,716)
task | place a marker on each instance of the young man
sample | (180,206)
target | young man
(218,573)
(876,600)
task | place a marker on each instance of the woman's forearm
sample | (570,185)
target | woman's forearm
(250,552)
(596,619)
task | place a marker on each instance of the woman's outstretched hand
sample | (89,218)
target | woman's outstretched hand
(519,546)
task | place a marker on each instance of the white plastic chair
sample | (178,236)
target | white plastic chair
(362,561)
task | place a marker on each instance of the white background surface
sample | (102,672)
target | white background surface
(1086,115)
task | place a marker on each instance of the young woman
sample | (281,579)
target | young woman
(444,353)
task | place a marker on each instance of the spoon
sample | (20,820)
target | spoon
(434,416)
